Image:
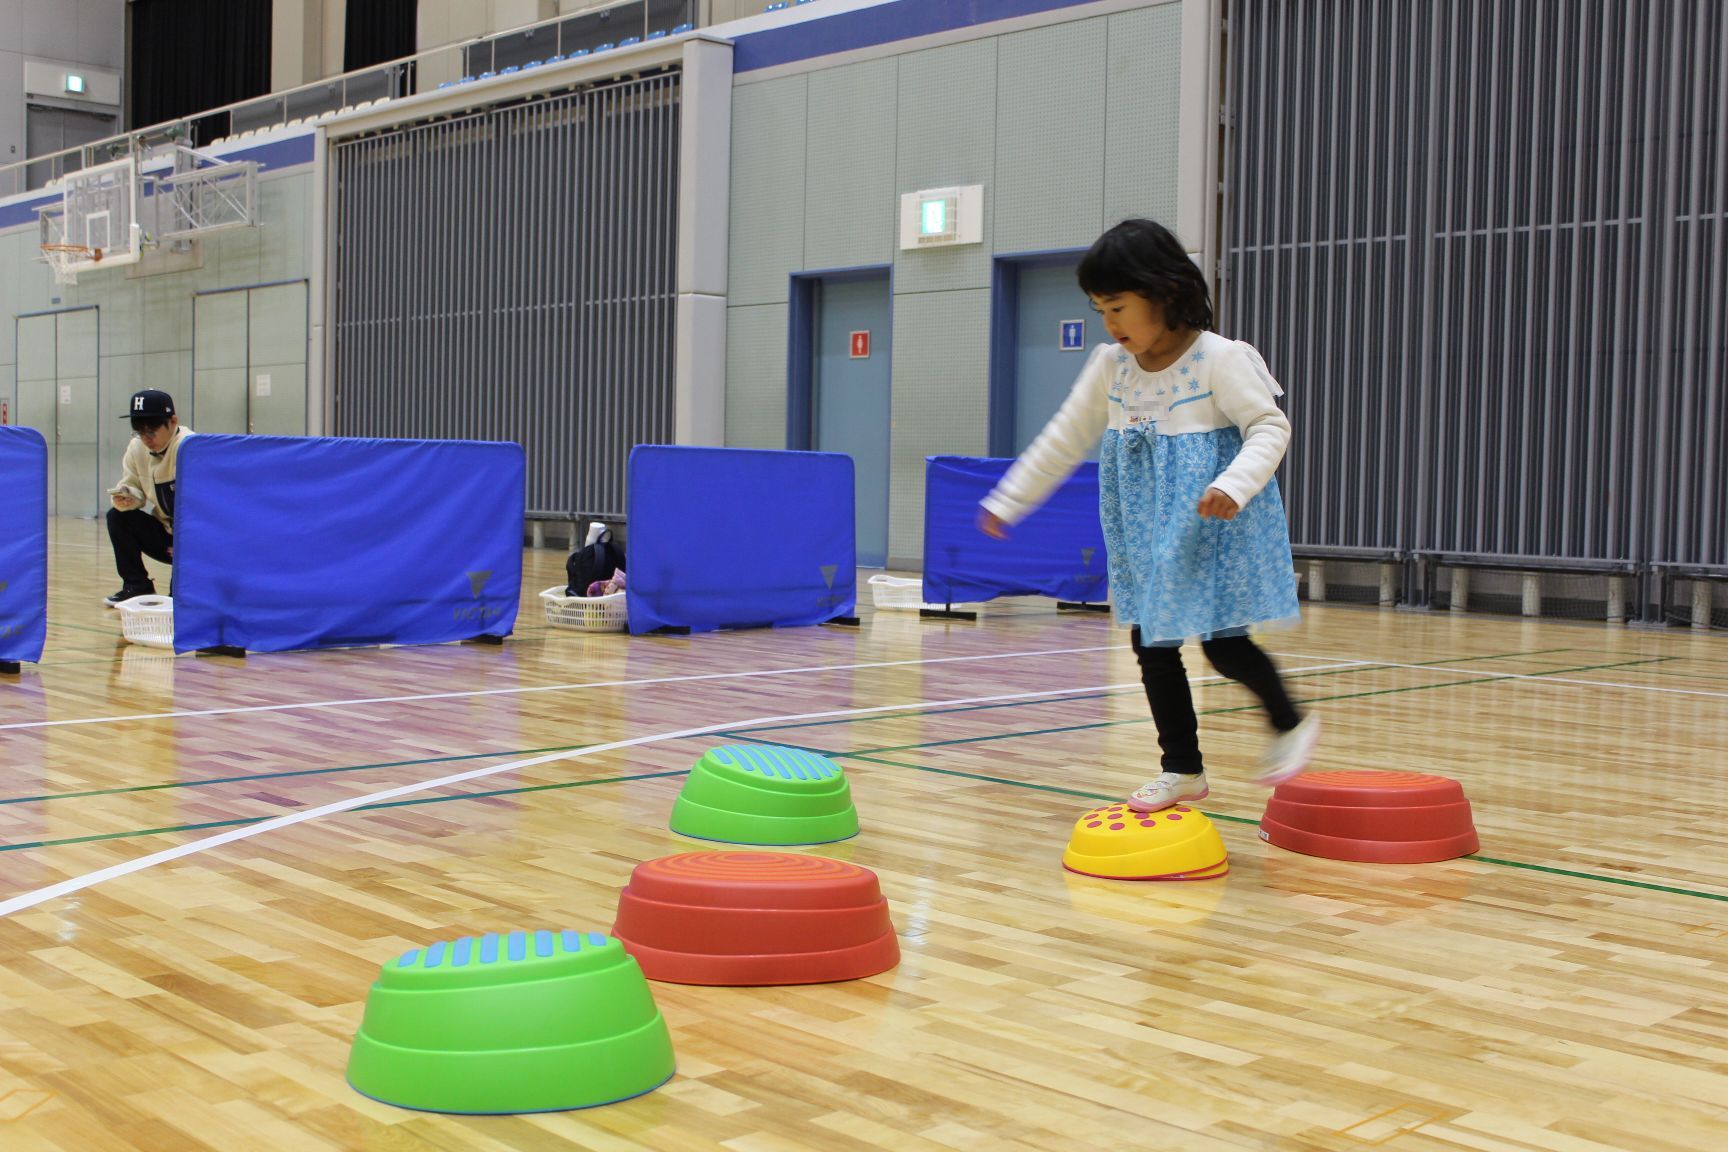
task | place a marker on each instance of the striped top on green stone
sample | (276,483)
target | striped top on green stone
(786,767)
(765,794)
(493,959)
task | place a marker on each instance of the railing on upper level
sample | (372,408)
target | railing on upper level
(600,27)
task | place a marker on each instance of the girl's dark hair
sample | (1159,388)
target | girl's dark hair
(1141,256)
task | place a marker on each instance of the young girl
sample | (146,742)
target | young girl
(1192,518)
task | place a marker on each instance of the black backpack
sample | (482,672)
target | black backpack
(591,562)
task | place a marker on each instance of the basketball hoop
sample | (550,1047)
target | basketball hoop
(66,259)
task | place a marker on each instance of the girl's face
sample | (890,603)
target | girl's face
(1135,322)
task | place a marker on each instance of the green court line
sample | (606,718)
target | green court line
(979,776)
(1237,708)
(1669,888)
(1714,677)
(1595,876)
(741,733)
(1363,667)
(1500,656)
(510,753)
(870,756)
(733,734)
(360,808)
(526,788)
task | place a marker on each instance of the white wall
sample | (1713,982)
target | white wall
(453,21)
(335,31)
(85,33)
(296,43)
(720,11)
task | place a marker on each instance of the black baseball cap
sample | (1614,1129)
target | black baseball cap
(150,403)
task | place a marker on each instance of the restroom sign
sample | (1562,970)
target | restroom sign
(861,345)
(1073,335)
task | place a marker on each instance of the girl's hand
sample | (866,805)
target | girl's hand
(992,525)
(1216,504)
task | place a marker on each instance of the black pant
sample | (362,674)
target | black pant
(1166,681)
(137,534)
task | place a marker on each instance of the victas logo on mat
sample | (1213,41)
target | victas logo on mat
(829,571)
(479,612)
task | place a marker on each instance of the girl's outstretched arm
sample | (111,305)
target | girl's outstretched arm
(1071,434)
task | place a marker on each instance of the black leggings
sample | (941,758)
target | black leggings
(1166,681)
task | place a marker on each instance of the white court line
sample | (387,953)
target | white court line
(550,688)
(90,879)
(1548,679)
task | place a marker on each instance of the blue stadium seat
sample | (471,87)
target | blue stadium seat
(554,58)
(466,80)
(775,7)
(683,28)
(487,75)
(604,47)
(509,70)
(657,34)
(577,54)
(628,41)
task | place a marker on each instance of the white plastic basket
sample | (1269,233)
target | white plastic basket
(899,594)
(586,613)
(148,620)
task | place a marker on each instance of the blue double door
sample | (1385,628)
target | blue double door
(1046,347)
(842,380)
(850,387)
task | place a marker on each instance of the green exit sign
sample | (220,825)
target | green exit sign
(937,217)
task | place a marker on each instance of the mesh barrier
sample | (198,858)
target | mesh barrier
(1557,595)
(1601,596)
(1348,582)
(1697,602)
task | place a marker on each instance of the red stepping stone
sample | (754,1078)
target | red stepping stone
(747,918)
(1373,817)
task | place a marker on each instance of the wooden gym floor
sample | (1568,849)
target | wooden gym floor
(1565,989)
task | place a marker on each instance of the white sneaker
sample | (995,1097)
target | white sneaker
(1289,752)
(1168,789)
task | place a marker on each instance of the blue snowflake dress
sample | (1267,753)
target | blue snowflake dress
(1207,421)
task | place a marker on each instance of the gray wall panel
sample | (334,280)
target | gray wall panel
(768,164)
(9,293)
(756,376)
(1141,102)
(941,399)
(850,202)
(1049,137)
(947,136)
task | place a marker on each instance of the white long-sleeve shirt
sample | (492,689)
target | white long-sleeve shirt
(1218,383)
